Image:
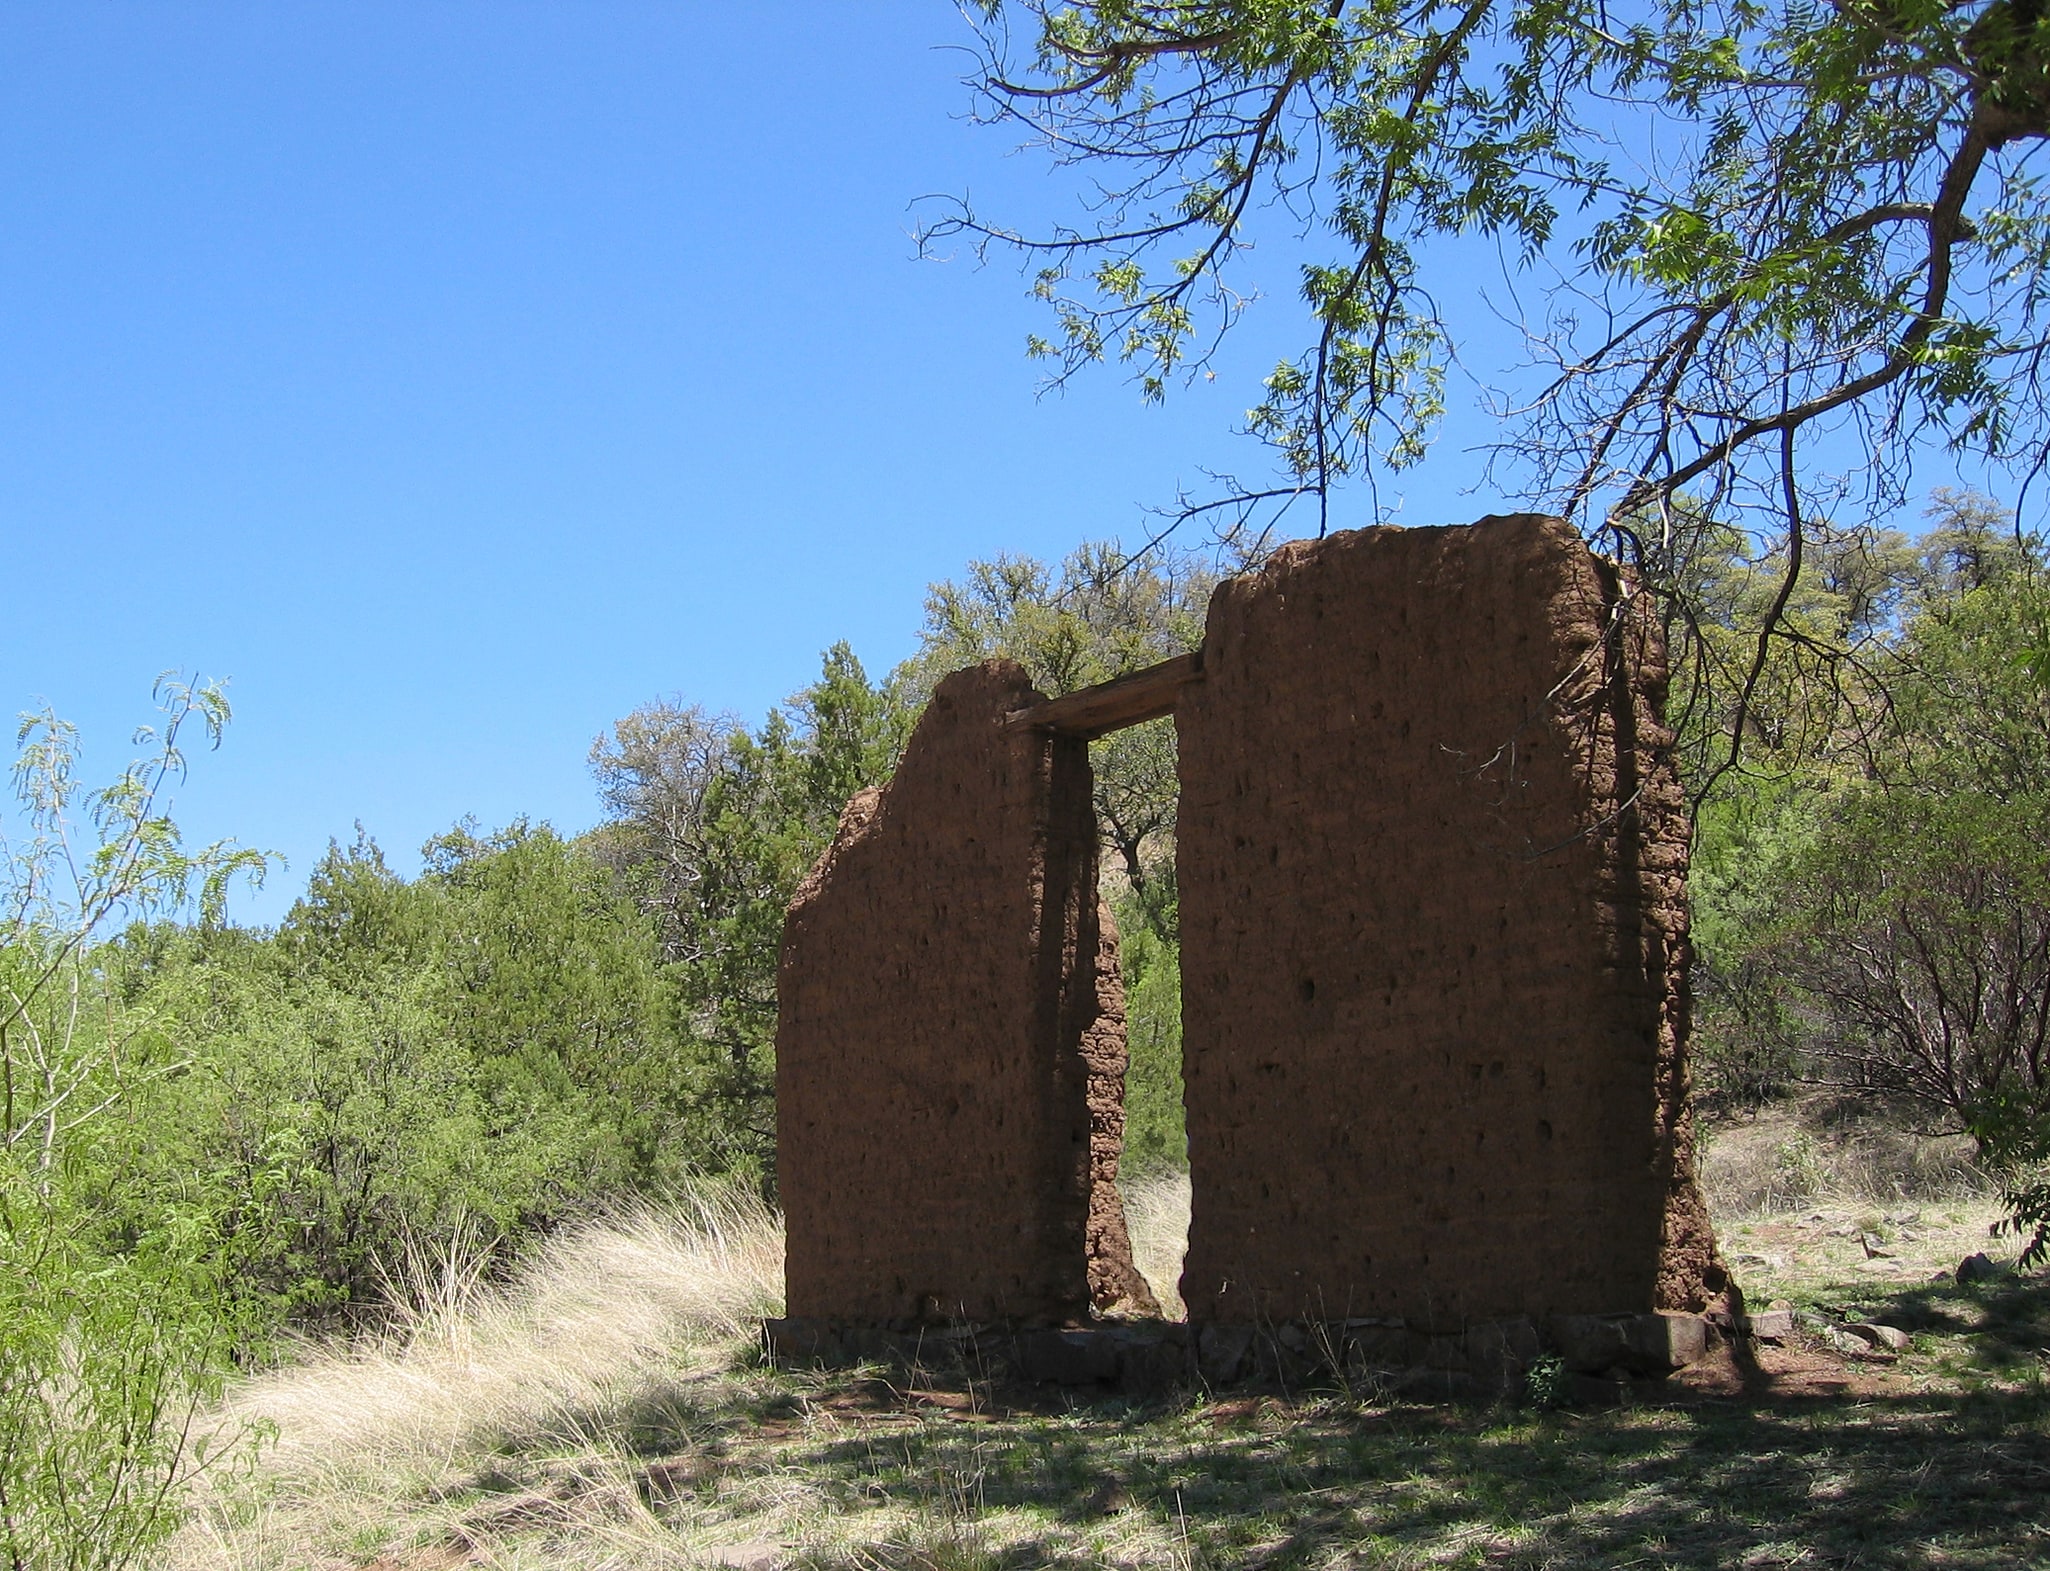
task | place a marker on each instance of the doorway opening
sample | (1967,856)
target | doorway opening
(1129,726)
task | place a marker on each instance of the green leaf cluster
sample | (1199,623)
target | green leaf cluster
(114,1332)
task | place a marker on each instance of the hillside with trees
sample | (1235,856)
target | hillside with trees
(237,1135)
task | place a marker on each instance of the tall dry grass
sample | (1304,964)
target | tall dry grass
(366,1436)
(493,1423)
(1157,1217)
(589,1310)
(1780,1160)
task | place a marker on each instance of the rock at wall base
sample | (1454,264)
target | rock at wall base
(1068,1358)
(1222,1352)
(1653,1344)
(1768,1325)
(1371,1357)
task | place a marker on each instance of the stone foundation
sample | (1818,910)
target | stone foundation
(1606,1355)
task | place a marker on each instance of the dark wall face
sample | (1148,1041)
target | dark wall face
(948,1013)
(1432,862)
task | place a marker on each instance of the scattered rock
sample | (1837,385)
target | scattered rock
(1843,1340)
(1648,1344)
(1979,1267)
(1770,1325)
(757,1554)
(1873,1334)
(1875,1249)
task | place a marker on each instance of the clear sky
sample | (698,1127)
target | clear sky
(454,376)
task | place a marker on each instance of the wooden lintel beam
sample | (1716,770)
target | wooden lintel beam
(1111,706)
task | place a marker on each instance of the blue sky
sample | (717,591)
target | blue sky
(455,376)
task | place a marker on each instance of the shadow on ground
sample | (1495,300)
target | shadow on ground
(1914,1481)
(1953,1473)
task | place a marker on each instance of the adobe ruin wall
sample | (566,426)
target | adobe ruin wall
(1432,857)
(950,1038)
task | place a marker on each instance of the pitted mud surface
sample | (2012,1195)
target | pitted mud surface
(1433,878)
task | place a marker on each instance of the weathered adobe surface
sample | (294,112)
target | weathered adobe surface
(1115,1285)
(950,1038)
(1433,859)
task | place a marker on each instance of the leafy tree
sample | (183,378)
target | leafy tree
(558,999)
(1913,940)
(359,923)
(1834,258)
(109,1344)
(1971,542)
(1884,925)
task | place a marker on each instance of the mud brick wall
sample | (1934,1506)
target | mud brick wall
(1432,859)
(950,1037)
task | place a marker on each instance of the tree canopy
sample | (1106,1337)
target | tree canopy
(1765,250)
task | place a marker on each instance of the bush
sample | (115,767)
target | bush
(115,1327)
(491,1046)
(1156,1132)
(1913,947)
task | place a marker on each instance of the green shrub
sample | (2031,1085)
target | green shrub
(494,1045)
(1156,1131)
(116,1324)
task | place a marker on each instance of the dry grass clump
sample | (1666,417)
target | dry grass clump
(1814,1211)
(1779,1160)
(592,1307)
(598,1322)
(1157,1217)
